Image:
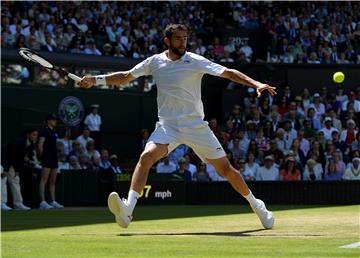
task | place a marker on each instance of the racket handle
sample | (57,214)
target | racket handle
(74,77)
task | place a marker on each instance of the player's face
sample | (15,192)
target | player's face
(178,42)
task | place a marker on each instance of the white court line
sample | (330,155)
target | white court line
(353,245)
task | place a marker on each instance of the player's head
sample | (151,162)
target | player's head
(175,38)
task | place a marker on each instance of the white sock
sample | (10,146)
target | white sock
(132,199)
(251,199)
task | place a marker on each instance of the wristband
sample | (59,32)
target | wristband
(100,80)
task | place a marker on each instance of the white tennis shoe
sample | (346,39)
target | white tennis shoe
(120,209)
(266,217)
(21,207)
(56,205)
(45,206)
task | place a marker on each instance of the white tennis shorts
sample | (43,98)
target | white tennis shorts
(201,139)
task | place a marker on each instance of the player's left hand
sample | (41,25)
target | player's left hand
(265,87)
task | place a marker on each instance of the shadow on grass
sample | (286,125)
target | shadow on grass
(245,233)
(37,219)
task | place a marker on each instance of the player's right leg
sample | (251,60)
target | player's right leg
(123,208)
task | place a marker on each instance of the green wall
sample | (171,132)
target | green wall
(123,114)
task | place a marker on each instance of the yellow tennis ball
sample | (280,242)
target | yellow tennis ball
(339,77)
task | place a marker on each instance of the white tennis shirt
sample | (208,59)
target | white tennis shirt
(179,86)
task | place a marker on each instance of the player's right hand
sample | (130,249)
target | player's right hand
(87,82)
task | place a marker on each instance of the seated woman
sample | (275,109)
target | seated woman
(313,170)
(201,175)
(290,172)
(331,172)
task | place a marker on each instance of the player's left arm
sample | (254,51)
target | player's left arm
(240,78)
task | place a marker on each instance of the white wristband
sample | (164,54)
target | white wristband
(100,80)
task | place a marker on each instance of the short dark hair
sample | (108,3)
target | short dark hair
(169,30)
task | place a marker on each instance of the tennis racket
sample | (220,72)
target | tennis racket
(34,57)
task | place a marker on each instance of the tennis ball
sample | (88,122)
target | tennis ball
(338,77)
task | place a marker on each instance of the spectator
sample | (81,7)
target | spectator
(91,49)
(107,49)
(318,107)
(290,172)
(261,142)
(77,150)
(251,168)
(275,152)
(336,156)
(226,58)
(304,143)
(178,153)
(84,162)
(92,153)
(62,163)
(93,123)
(297,152)
(309,130)
(316,150)
(289,135)
(201,175)
(66,141)
(348,135)
(213,124)
(237,151)
(328,129)
(340,96)
(332,173)
(114,161)
(68,36)
(281,142)
(13,158)
(313,171)
(247,50)
(353,173)
(166,166)
(182,171)
(268,172)
(48,152)
(356,144)
(189,166)
(104,163)
(50,45)
(84,138)
(74,163)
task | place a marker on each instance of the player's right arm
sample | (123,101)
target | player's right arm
(116,79)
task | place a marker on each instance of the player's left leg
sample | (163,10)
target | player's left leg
(206,145)
(224,168)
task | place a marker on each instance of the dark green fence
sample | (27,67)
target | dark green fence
(86,188)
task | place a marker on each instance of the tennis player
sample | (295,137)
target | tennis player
(178,74)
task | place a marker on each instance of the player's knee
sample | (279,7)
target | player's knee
(147,159)
(227,171)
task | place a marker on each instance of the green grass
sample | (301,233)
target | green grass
(182,231)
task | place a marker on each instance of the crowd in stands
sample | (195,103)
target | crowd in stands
(296,32)
(304,137)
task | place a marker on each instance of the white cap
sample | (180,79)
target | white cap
(316,95)
(356,159)
(251,90)
(269,157)
(327,119)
